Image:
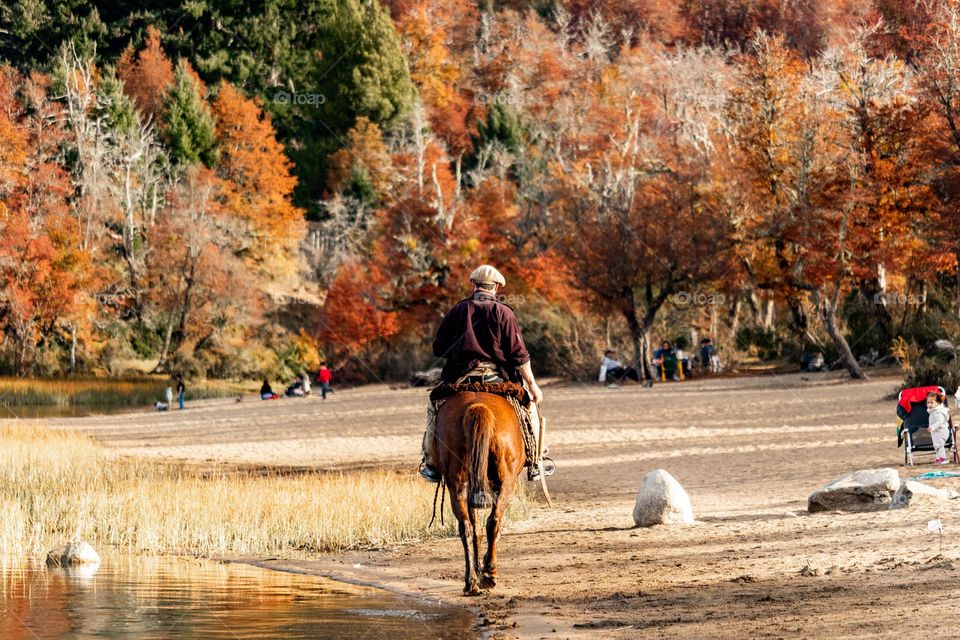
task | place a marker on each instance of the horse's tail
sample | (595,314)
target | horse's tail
(478,425)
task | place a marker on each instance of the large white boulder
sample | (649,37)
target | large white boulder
(864,490)
(913,492)
(75,553)
(661,500)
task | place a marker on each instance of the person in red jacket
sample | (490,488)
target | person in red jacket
(324,378)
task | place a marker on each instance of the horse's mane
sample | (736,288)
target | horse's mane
(504,389)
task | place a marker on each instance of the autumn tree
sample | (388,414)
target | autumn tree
(40,260)
(634,219)
(891,203)
(256,182)
(146,75)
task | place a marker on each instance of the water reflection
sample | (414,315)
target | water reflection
(175,598)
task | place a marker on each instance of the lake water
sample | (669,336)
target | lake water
(135,597)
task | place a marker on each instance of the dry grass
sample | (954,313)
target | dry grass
(56,486)
(140,391)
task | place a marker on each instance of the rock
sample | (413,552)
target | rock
(75,553)
(913,492)
(864,490)
(661,500)
(55,556)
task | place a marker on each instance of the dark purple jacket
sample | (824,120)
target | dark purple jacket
(479,329)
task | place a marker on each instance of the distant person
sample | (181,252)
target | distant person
(612,370)
(295,390)
(181,391)
(169,396)
(939,424)
(324,378)
(664,353)
(266,392)
(305,382)
(709,362)
(812,362)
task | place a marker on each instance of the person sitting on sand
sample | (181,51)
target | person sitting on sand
(295,390)
(662,354)
(614,371)
(266,392)
(939,424)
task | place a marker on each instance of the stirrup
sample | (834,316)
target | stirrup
(549,468)
(429,473)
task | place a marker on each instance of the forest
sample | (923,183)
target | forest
(229,189)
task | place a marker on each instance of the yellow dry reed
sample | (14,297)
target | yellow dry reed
(59,485)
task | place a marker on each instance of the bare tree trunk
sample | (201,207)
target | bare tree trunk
(875,293)
(73,349)
(756,306)
(165,350)
(734,317)
(828,316)
(638,336)
(801,323)
(768,311)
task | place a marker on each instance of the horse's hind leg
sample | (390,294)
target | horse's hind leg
(477,540)
(458,503)
(488,578)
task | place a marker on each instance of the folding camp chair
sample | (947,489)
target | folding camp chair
(912,425)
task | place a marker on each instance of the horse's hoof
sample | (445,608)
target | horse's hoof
(488,582)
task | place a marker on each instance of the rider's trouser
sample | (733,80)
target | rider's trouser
(429,437)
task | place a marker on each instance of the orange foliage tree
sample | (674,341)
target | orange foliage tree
(40,260)
(146,74)
(257,185)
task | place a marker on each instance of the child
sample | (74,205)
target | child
(938,424)
(325,377)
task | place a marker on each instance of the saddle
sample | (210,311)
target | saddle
(510,390)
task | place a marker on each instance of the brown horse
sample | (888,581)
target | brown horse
(480,453)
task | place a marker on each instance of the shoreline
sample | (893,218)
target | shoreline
(422,590)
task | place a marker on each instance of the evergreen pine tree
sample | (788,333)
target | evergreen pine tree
(190,127)
(112,102)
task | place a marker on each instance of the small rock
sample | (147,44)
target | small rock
(864,490)
(661,500)
(913,492)
(74,553)
(809,572)
(55,556)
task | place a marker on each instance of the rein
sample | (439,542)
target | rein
(442,497)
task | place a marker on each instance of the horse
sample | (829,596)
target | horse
(480,453)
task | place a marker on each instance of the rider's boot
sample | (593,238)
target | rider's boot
(429,472)
(533,471)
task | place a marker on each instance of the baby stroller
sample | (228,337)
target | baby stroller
(912,422)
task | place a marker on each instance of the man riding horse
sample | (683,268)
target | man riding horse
(480,338)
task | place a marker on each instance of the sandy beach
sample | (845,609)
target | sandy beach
(748,451)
